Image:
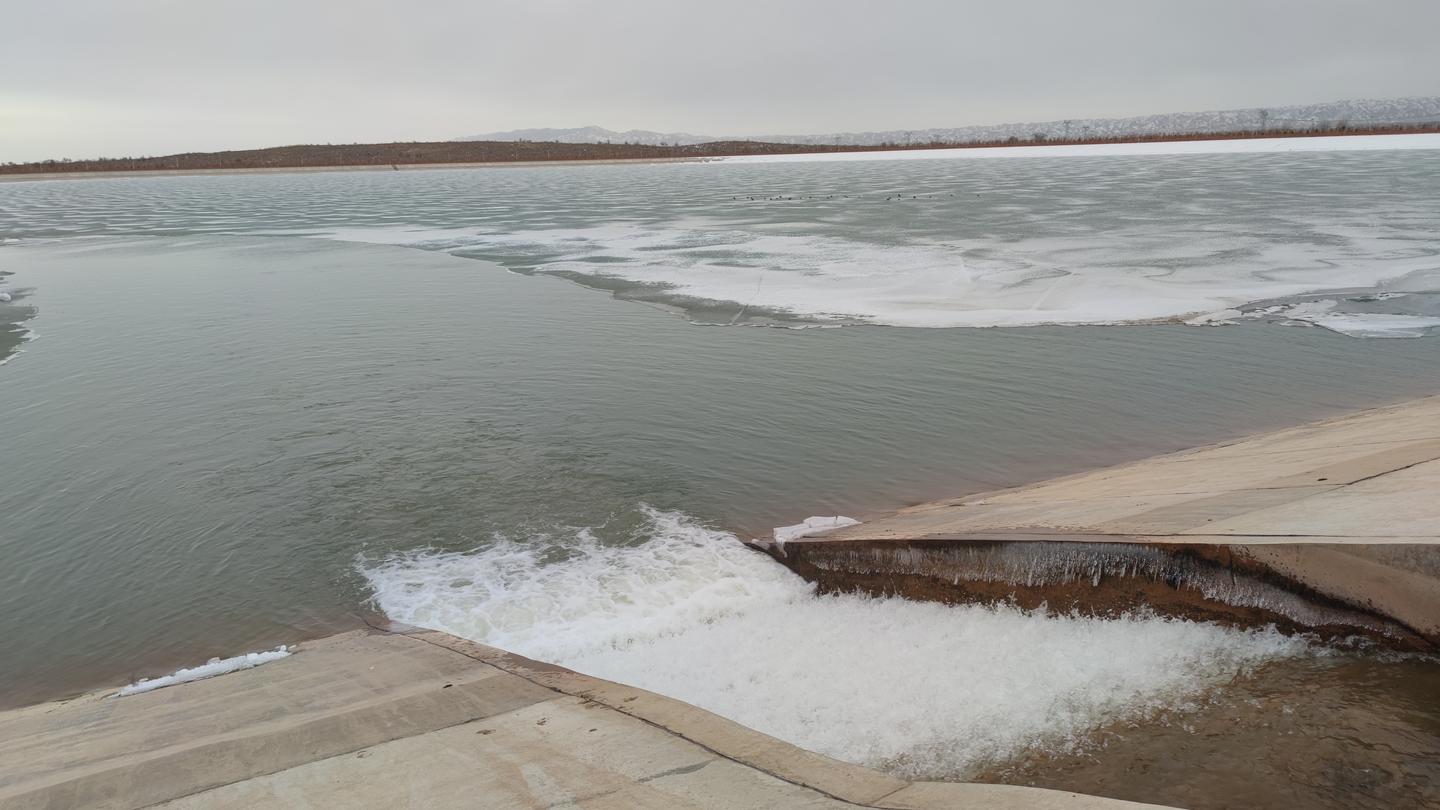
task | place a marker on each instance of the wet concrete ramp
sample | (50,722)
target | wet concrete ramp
(424,719)
(1333,526)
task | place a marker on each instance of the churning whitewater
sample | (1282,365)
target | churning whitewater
(919,689)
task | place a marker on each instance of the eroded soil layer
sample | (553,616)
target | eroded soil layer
(1205,582)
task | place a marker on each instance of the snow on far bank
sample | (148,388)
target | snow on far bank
(209,669)
(1329,143)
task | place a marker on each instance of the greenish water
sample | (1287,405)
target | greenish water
(210,430)
(230,434)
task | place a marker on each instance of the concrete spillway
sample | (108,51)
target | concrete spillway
(424,719)
(1332,527)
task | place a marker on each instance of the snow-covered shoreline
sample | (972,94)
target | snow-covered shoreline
(1320,143)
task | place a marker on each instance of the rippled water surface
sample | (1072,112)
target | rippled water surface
(251,407)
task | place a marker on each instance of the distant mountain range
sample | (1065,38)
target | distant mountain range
(1357,113)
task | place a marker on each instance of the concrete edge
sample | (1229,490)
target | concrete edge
(855,784)
(1349,416)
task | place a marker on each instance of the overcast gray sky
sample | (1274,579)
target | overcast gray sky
(83,78)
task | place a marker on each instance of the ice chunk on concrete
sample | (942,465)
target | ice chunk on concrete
(209,669)
(812,527)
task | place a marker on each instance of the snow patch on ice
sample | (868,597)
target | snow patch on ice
(1360,324)
(209,669)
(1224,317)
(977,282)
(1378,325)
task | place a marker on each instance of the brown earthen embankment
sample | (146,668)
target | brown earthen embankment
(461,154)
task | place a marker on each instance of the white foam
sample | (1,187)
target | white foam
(812,527)
(1336,143)
(920,689)
(209,669)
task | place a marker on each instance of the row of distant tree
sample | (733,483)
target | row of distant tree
(450,152)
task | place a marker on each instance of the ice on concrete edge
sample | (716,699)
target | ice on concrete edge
(209,669)
(812,527)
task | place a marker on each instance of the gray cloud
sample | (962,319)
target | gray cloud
(97,77)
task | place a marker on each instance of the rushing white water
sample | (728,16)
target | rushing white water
(920,689)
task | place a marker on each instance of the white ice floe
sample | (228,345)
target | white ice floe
(919,689)
(1380,296)
(1087,242)
(1140,274)
(1378,325)
(1360,324)
(1223,317)
(4,296)
(213,667)
(1337,143)
(812,527)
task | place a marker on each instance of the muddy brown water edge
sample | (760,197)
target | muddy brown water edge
(1342,730)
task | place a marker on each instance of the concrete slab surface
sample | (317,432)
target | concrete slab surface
(424,719)
(1332,526)
(1371,477)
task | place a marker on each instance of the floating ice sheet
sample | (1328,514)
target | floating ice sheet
(1361,324)
(1139,274)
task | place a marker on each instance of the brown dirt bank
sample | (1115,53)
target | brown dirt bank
(1202,582)
(456,153)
